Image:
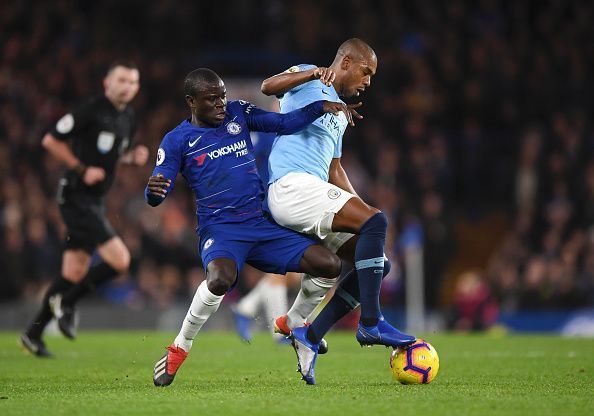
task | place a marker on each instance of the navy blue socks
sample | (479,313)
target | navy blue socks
(369,262)
(345,299)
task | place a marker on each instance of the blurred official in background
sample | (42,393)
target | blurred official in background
(89,141)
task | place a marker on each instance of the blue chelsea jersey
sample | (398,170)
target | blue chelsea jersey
(312,149)
(219,163)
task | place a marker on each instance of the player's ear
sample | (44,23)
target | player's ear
(346,63)
(191,101)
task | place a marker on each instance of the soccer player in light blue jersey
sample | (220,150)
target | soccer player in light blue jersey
(310,192)
(213,151)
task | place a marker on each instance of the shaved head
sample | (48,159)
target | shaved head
(356,49)
(200,80)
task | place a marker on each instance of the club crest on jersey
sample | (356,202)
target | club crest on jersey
(333,193)
(160,156)
(208,243)
(233,128)
(105,141)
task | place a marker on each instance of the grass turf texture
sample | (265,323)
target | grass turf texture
(109,373)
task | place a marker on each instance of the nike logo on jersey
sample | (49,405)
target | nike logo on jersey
(325,92)
(191,144)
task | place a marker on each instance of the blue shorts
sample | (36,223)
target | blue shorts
(259,242)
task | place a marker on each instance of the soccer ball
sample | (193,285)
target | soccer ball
(416,364)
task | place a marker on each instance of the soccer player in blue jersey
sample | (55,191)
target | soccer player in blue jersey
(213,151)
(309,192)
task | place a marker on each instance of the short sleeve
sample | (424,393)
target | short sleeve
(71,123)
(298,68)
(169,158)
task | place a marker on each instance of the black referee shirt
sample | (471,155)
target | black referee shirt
(99,134)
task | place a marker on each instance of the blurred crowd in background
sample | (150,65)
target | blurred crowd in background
(477,130)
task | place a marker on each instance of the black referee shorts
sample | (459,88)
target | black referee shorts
(85,221)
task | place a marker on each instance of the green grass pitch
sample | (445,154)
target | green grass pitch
(110,373)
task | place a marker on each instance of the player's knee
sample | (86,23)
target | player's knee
(74,273)
(377,224)
(219,284)
(327,267)
(330,267)
(220,278)
(122,263)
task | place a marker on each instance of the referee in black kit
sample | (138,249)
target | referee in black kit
(89,141)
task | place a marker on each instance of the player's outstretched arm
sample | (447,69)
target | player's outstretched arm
(296,120)
(349,110)
(286,81)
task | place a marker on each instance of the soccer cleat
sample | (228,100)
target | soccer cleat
(242,325)
(35,346)
(65,315)
(307,354)
(281,327)
(167,366)
(383,334)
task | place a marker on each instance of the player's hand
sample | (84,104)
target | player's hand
(158,185)
(349,110)
(93,175)
(325,75)
(140,155)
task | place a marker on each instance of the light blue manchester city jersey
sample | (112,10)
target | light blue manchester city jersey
(312,149)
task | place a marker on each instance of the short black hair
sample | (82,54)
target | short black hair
(199,80)
(126,63)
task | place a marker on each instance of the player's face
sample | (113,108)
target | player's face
(122,84)
(358,76)
(209,105)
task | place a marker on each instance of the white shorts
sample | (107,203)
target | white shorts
(307,204)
